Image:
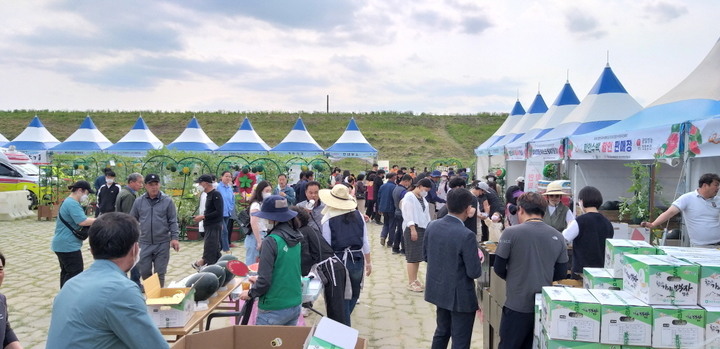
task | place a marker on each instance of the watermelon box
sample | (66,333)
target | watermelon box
(571,314)
(709,283)
(712,327)
(614,250)
(615,346)
(170,311)
(678,327)
(672,250)
(599,278)
(625,320)
(661,279)
(548,343)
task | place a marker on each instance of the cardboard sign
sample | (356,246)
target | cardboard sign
(533,173)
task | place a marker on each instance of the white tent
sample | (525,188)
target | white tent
(565,103)
(534,113)
(3,140)
(193,138)
(87,139)
(137,141)
(244,141)
(607,103)
(352,144)
(34,138)
(515,115)
(298,142)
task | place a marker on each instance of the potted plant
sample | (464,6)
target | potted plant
(637,207)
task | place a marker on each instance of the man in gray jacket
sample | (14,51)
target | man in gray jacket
(124,204)
(158,228)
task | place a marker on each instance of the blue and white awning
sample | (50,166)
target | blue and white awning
(515,115)
(352,144)
(3,140)
(298,142)
(565,103)
(607,103)
(87,139)
(245,141)
(34,137)
(137,141)
(535,112)
(193,138)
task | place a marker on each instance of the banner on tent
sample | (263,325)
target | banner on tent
(533,173)
(703,138)
(131,153)
(352,154)
(547,150)
(516,153)
(38,157)
(663,142)
(496,151)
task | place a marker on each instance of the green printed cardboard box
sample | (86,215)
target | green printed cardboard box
(658,280)
(625,320)
(615,346)
(678,327)
(599,278)
(548,343)
(571,314)
(616,248)
(709,282)
(712,327)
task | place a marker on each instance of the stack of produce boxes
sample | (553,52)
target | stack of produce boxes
(670,298)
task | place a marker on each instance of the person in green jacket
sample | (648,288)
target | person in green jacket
(128,194)
(278,283)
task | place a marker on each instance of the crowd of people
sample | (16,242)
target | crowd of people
(436,217)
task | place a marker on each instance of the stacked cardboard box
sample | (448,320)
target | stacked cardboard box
(599,278)
(661,279)
(570,314)
(625,320)
(615,249)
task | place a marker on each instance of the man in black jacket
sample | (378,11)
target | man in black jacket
(107,194)
(212,221)
(398,245)
(470,222)
(377,183)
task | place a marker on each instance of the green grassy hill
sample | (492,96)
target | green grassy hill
(403,138)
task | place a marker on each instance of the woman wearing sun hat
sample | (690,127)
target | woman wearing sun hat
(557,215)
(278,283)
(344,228)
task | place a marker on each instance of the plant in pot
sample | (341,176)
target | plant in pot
(187,206)
(637,207)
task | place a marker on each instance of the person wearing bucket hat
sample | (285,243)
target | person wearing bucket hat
(64,243)
(343,226)
(492,182)
(278,283)
(558,215)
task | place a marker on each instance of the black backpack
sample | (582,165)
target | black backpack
(243,219)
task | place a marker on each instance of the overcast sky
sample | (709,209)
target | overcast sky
(440,56)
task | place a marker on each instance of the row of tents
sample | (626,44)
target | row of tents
(139,140)
(594,138)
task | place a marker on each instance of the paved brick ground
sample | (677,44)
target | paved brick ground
(388,315)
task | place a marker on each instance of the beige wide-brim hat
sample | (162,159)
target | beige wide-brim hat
(338,197)
(555,188)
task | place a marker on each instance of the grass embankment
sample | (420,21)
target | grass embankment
(402,138)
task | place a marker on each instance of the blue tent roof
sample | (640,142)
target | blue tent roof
(298,141)
(138,139)
(517,112)
(193,138)
(245,140)
(86,139)
(607,83)
(34,137)
(352,144)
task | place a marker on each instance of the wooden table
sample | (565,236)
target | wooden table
(197,319)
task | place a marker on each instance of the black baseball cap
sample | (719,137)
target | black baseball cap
(204,178)
(152,178)
(82,185)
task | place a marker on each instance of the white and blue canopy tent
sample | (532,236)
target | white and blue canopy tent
(137,142)
(85,140)
(298,142)
(607,103)
(244,141)
(193,138)
(487,160)
(3,140)
(518,150)
(35,137)
(352,144)
(537,109)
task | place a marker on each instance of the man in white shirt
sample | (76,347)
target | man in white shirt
(701,212)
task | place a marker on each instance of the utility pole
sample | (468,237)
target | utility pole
(328,105)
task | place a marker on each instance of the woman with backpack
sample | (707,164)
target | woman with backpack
(253,241)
